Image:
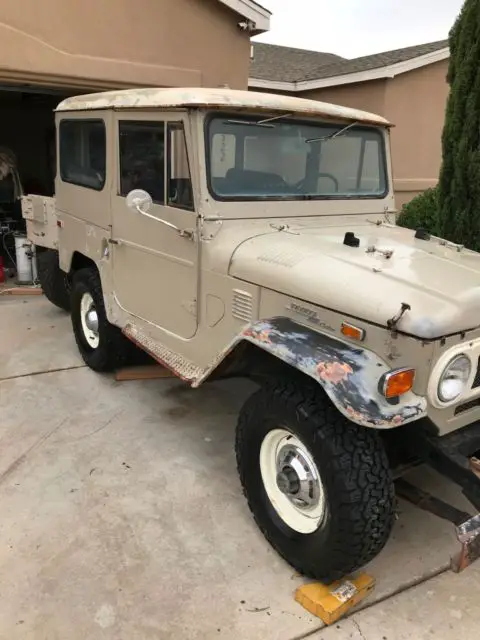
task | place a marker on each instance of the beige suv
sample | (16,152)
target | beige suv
(230,233)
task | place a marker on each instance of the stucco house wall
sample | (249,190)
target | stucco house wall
(407,86)
(368,96)
(415,103)
(119,43)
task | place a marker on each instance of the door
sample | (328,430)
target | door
(154,267)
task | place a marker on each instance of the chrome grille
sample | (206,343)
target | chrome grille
(476,381)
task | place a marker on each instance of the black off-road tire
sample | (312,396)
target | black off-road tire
(114,349)
(53,280)
(353,467)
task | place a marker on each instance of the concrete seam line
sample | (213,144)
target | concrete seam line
(39,373)
(21,458)
(357,626)
(402,589)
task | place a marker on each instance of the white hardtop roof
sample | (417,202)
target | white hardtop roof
(215,99)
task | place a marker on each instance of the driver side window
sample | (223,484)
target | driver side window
(179,183)
(142,158)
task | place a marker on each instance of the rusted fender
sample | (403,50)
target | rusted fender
(349,375)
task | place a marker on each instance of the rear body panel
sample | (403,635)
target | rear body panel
(42,222)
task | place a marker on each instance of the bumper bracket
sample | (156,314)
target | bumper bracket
(455,457)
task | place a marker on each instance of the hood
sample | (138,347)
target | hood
(389,268)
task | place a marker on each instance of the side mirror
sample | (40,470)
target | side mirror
(139,200)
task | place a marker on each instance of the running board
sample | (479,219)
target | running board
(180,366)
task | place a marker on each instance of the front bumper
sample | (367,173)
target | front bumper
(452,455)
(455,457)
(451,419)
(468,535)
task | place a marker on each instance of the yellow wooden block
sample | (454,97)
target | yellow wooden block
(331,602)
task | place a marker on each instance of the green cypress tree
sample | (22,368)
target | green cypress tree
(459,184)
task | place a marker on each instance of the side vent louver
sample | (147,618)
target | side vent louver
(242,305)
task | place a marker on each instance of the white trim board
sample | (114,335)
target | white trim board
(389,71)
(251,11)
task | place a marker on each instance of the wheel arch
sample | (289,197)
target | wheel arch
(79,261)
(348,374)
(54,281)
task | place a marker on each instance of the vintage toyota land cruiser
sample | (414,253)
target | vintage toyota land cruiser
(239,233)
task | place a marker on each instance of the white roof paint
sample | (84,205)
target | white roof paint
(389,71)
(215,99)
(251,11)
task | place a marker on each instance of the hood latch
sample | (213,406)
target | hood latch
(393,322)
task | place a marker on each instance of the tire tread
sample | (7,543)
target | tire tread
(115,350)
(52,279)
(362,482)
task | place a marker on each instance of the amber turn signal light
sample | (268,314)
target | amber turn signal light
(354,333)
(398,382)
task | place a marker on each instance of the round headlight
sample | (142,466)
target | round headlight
(454,379)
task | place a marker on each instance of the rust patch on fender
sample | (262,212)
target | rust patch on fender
(334,372)
(350,375)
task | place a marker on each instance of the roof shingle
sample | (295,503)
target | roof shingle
(284,64)
(297,65)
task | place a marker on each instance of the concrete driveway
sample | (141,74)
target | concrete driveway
(122,516)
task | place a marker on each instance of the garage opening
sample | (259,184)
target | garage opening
(27,155)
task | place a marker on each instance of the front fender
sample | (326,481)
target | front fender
(349,374)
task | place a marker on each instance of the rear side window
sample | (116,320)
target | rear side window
(83,153)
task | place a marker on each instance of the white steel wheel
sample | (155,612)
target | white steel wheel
(89,320)
(292,481)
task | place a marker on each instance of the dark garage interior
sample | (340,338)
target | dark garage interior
(27,142)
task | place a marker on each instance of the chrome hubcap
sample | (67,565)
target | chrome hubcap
(292,481)
(297,477)
(89,320)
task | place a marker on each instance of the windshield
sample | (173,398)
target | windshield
(252,158)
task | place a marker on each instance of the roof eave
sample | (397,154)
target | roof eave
(258,15)
(389,71)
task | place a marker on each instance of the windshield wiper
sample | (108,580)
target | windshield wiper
(331,136)
(261,123)
(283,115)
